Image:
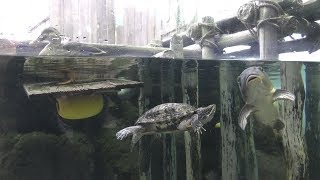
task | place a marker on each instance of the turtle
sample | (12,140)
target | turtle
(168,118)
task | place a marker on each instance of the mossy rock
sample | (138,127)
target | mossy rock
(43,156)
(116,154)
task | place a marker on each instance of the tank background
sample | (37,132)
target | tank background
(37,153)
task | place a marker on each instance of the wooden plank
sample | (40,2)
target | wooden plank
(83,68)
(293,138)
(52,88)
(75,21)
(56,14)
(144,105)
(189,80)
(312,119)
(67,19)
(111,22)
(102,22)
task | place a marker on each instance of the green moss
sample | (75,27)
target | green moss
(116,154)
(44,156)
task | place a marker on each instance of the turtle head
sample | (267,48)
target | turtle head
(205,114)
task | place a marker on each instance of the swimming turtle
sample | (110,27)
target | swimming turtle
(166,118)
(260,97)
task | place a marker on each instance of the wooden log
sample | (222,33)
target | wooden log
(293,138)
(189,80)
(144,104)
(168,95)
(238,151)
(169,140)
(312,119)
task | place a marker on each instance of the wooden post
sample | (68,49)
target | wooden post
(208,51)
(167,95)
(192,140)
(312,119)
(144,104)
(111,22)
(238,150)
(293,139)
(268,34)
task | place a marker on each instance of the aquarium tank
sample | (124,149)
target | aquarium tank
(160,90)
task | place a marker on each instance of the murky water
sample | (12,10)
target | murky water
(39,143)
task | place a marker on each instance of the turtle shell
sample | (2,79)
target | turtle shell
(167,112)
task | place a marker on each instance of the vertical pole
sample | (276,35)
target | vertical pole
(167,95)
(293,138)
(312,119)
(207,25)
(189,80)
(267,34)
(144,105)
(111,22)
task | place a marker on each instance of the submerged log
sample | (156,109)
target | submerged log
(293,138)
(312,119)
(189,80)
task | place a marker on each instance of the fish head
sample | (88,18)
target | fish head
(205,114)
(254,80)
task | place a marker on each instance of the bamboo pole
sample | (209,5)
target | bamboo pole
(293,138)
(312,119)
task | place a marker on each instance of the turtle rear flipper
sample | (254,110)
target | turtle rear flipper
(136,131)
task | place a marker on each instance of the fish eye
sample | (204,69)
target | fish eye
(261,69)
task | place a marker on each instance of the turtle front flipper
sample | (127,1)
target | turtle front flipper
(196,124)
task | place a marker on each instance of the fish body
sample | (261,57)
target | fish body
(261,98)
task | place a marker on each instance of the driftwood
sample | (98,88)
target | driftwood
(312,119)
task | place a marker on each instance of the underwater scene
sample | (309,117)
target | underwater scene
(115,118)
